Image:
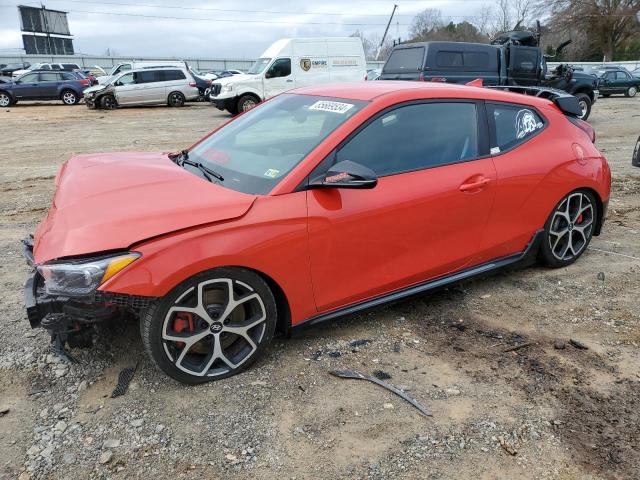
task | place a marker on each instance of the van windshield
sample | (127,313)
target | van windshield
(259,66)
(405,60)
(256,151)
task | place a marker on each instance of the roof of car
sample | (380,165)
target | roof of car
(369,91)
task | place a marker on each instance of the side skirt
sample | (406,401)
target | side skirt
(525,258)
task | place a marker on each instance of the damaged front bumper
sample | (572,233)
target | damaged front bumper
(63,316)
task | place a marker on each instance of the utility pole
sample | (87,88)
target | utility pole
(45,24)
(385,31)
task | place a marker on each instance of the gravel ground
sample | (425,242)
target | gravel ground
(549,410)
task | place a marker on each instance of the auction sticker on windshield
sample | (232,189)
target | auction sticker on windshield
(330,106)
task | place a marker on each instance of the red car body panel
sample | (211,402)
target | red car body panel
(146,194)
(325,248)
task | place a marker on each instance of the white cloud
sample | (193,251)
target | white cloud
(199,37)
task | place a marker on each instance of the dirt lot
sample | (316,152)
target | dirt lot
(537,412)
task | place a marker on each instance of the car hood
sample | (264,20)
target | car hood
(111,201)
(245,77)
(95,88)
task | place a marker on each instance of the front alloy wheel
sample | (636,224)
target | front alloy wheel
(569,229)
(211,326)
(5,100)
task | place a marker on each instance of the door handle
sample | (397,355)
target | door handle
(468,187)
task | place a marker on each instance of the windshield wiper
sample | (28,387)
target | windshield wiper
(181,159)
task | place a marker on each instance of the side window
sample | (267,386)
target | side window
(525,60)
(49,77)
(513,125)
(415,137)
(449,59)
(126,79)
(170,75)
(610,76)
(147,76)
(45,66)
(56,66)
(68,76)
(622,76)
(31,78)
(280,68)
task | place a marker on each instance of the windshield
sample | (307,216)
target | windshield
(259,66)
(254,152)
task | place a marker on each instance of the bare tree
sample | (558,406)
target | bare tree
(608,23)
(426,22)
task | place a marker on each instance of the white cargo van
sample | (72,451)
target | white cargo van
(133,65)
(291,63)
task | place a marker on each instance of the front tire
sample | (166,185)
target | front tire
(5,100)
(585,104)
(246,103)
(108,102)
(211,326)
(631,92)
(569,229)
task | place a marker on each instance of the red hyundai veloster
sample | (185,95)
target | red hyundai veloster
(320,202)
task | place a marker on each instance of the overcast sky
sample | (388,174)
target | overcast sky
(219,29)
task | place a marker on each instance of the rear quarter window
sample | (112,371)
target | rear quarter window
(405,60)
(169,75)
(450,59)
(512,125)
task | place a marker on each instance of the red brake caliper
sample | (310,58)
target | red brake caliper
(182,322)
(579,219)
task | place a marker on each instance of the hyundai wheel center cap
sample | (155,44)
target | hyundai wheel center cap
(216,327)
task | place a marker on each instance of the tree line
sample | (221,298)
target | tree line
(600,30)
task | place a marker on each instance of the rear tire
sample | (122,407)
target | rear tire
(175,99)
(585,104)
(69,97)
(631,92)
(569,229)
(195,334)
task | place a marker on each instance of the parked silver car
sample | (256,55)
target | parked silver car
(144,86)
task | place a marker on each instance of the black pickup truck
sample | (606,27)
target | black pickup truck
(510,60)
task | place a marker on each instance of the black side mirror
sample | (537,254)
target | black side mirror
(346,174)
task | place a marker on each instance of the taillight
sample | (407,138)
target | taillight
(84,81)
(585,127)
(192,84)
(209,82)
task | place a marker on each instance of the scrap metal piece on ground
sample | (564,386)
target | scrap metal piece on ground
(517,347)
(124,378)
(391,388)
(507,446)
(578,344)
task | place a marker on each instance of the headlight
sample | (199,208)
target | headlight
(77,278)
(227,88)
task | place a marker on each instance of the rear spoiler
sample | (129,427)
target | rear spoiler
(566,102)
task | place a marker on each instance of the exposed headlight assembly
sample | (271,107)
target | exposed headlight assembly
(78,278)
(227,88)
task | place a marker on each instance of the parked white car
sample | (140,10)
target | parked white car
(133,65)
(291,63)
(145,86)
(47,66)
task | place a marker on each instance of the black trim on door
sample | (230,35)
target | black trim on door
(527,257)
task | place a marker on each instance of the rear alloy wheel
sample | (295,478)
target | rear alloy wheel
(69,98)
(5,100)
(569,229)
(108,102)
(631,92)
(176,99)
(212,326)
